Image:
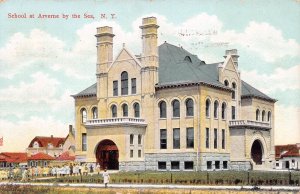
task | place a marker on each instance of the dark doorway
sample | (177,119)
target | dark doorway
(287,164)
(256,152)
(107,155)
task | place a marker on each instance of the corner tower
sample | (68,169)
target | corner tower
(104,58)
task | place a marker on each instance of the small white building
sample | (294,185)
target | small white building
(288,157)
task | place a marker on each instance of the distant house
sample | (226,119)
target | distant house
(40,159)
(288,156)
(12,159)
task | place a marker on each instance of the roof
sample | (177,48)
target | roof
(41,156)
(290,150)
(65,156)
(44,141)
(178,67)
(13,157)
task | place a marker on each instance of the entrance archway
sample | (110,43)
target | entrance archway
(107,155)
(257,152)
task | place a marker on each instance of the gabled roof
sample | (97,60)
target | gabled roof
(65,156)
(290,150)
(44,141)
(179,67)
(41,156)
(13,157)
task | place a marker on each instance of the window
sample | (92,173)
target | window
(207,108)
(162,109)
(114,111)
(124,83)
(139,153)
(189,107)
(84,143)
(188,58)
(131,139)
(223,110)
(209,165)
(45,163)
(257,114)
(95,112)
(133,86)
(131,153)
(175,165)
(162,165)
(225,164)
(226,83)
(163,139)
(223,138)
(136,108)
(176,138)
(176,108)
(234,90)
(263,115)
(233,112)
(189,165)
(207,138)
(83,115)
(215,138)
(35,144)
(190,137)
(217,164)
(139,139)
(115,88)
(269,116)
(216,109)
(125,110)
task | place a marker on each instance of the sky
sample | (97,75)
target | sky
(45,60)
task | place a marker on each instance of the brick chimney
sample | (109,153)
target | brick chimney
(234,55)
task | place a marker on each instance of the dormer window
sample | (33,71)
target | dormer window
(36,144)
(188,59)
(50,145)
(60,145)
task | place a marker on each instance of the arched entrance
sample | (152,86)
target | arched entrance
(107,155)
(257,152)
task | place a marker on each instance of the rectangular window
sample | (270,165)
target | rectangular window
(215,138)
(217,164)
(207,138)
(133,86)
(163,139)
(223,138)
(175,165)
(115,88)
(131,153)
(176,138)
(162,165)
(225,164)
(233,112)
(190,137)
(140,153)
(208,165)
(84,143)
(189,165)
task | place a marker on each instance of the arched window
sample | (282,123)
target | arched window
(234,88)
(189,103)
(257,114)
(216,109)
(83,115)
(188,58)
(125,110)
(136,108)
(124,83)
(176,108)
(269,116)
(95,112)
(131,138)
(207,108)
(223,110)
(163,109)
(140,139)
(226,83)
(114,111)
(263,113)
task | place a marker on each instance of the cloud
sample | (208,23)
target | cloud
(287,124)
(17,135)
(281,79)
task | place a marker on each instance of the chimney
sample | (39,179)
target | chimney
(70,128)
(51,136)
(234,55)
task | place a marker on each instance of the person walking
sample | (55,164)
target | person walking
(105,176)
